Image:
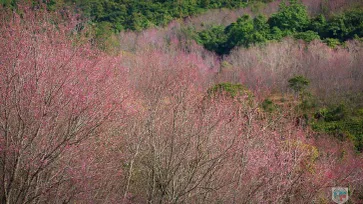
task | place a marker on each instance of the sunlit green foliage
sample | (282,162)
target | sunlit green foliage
(291,20)
(214,39)
(340,121)
(293,17)
(307,36)
(141,14)
(230,89)
(345,26)
(244,32)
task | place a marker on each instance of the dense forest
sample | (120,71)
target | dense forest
(290,20)
(183,101)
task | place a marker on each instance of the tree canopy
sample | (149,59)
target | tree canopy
(292,20)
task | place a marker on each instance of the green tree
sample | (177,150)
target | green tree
(275,34)
(346,26)
(307,36)
(240,32)
(205,3)
(214,39)
(298,84)
(332,42)
(293,17)
(318,24)
(247,31)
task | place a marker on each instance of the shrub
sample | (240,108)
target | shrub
(307,36)
(332,42)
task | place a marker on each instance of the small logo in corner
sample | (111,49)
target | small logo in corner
(340,195)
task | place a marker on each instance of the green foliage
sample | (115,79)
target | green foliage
(8,3)
(332,42)
(318,24)
(141,14)
(268,105)
(213,39)
(345,26)
(308,101)
(117,15)
(247,31)
(240,32)
(276,34)
(307,36)
(137,15)
(339,28)
(292,17)
(298,83)
(230,89)
(105,39)
(335,113)
(244,32)
(291,20)
(54,5)
(339,120)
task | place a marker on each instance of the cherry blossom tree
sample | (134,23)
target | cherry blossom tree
(56,93)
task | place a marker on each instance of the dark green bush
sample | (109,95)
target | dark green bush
(335,113)
(214,39)
(346,25)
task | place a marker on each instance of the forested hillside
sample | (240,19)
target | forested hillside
(185,101)
(290,21)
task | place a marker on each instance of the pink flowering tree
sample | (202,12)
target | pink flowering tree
(55,94)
